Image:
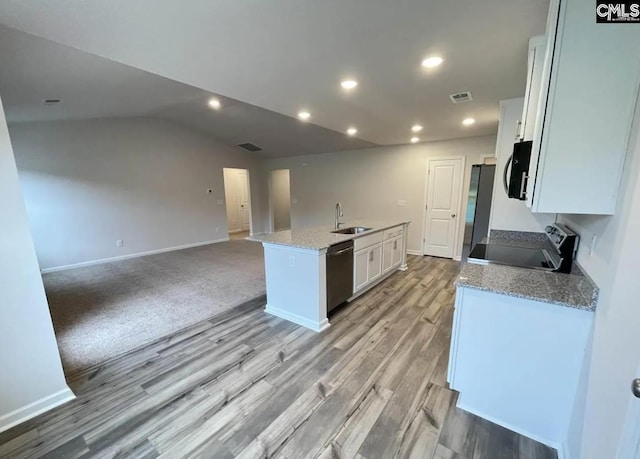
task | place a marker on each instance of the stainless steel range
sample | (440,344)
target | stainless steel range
(555,255)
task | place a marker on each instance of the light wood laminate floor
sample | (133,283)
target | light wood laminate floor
(245,384)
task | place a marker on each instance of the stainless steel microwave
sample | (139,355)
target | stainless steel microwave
(515,180)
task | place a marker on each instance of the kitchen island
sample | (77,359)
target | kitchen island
(296,266)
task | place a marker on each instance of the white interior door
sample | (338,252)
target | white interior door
(443,203)
(245,202)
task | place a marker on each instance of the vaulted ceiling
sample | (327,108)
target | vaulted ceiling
(267,60)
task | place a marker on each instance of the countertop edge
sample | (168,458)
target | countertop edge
(343,238)
(586,308)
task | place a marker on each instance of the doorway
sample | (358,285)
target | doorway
(280,199)
(444,192)
(237,192)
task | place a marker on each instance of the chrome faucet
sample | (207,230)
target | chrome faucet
(338,215)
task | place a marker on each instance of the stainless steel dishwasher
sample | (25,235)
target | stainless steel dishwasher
(339,274)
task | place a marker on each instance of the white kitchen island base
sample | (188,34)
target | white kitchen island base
(297,285)
(296,267)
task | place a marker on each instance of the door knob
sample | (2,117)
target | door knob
(635,387)
(453,215)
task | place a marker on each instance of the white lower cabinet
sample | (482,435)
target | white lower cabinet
(518,362)
(367,266)
(387,256)
(361,269)
(376,255)
(375,262)
(391,254)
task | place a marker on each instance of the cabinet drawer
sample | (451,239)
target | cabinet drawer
(393,232)
(366,241)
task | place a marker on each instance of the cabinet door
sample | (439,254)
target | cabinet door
(360,269)
(375,262)
(584,132)
(397,252)
(537,47)
(387,255)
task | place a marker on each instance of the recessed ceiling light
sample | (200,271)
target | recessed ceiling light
(352,131)
(416,128)
(304,115)
(349,84)
(415,139)
(468,121)
(214,103)
(433,61)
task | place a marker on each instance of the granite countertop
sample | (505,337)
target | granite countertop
(575,290)
(321,237)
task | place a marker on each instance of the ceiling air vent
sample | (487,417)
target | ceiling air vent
(461,97)
(250,147)
(51,101)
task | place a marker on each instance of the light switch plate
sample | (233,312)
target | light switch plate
(220,202)
(402,203)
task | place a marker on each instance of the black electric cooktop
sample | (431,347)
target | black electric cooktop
(508,255)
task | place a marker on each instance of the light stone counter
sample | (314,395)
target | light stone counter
(321,237)
(575,290)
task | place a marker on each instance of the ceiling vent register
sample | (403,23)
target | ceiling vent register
(461,97)
(250,147)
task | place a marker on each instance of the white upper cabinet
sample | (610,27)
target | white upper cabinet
(588,94)
(535,63)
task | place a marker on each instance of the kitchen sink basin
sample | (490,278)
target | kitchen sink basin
(352,230)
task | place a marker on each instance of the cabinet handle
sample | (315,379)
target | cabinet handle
(395,245)
(371,256)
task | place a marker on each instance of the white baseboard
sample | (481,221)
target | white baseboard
(131,255)
(457,258)
(32,410)
(414,252)
(506,425)
(296,319)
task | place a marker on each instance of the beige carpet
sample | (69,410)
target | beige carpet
(105,310)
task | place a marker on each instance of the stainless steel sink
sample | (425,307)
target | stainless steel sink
(352,230)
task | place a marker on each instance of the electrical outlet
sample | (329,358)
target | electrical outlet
(220,202)
(402,203)
(119,243)
(292,261)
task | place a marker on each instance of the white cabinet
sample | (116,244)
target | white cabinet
(397,252)
(392,249)
(518,362)
(586,105)
(391,254)
(387,256)
(360,269)
(367,266)
(377,255)
(375,262)
(535,63)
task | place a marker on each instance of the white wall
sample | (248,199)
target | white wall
(370,182)
(280,193)
(31,377)
(144,181)
(511,214)
(614,266)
